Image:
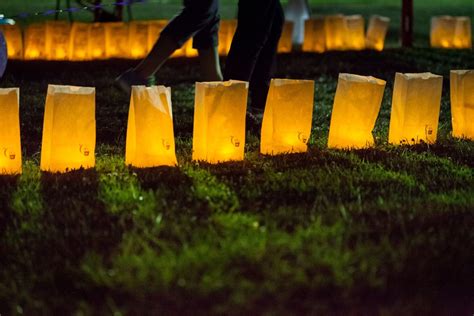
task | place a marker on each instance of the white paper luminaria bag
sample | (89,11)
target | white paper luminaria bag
(69,130)
(355,110)
(150,136)
(219,121)
(10,147)
(286,125)
(462,103)
(376,32)
(416,104)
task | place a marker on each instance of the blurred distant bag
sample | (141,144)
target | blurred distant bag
(285,45)
(376,32)
(226,34)
(14,39)
(335,28)
(415,108)
(117,44)
(354,33)
(450,32)
(314,35)
(355,110)
(138,38)
(442,31)
(10,147)
(287,120)
(463,33)
(462,103)
(97,41)
(150,136)
(219,121)
(79,42)
(69,131)
(35,41)
(189,50)
(58,40)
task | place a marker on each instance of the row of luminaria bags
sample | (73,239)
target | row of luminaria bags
(69,131)
(60,40)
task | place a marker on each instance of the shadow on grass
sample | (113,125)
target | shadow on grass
(168,177)
(74,210)
(74,222)
(8,185)
(173,190)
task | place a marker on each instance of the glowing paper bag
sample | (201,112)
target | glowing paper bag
(69,129)
(189,50)
(314,35)
(462,103)
(355,110)
(57,40)
(226,34)
(462,33)
(376,33)
(285,45)
(230,34)
(335,26)
(286,125)
(415,108)
(442,31)
(97,43)
(10,147)
(14,40)
(79,43)
(138,39)
(117,44)
(354,33)
(35,41)
(150,136)
(219,121)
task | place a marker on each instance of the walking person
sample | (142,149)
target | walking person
(252,56)
(198,19)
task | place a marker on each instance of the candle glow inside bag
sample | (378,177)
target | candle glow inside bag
(219,121)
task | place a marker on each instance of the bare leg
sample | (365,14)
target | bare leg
(210,65)
(164,47)
(198,19)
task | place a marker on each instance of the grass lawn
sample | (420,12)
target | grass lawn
(386,231)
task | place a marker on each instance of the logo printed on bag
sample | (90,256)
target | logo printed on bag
(9,154)
(428,130)
(166,144)
(235,141)
(84,150)
(302,137)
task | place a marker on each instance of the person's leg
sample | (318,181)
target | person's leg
(254,46)
(195,16)
(210,64)
(206,42)
(253,28)
(263,71)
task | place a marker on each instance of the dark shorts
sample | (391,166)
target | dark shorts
(199,19)
(252,55)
